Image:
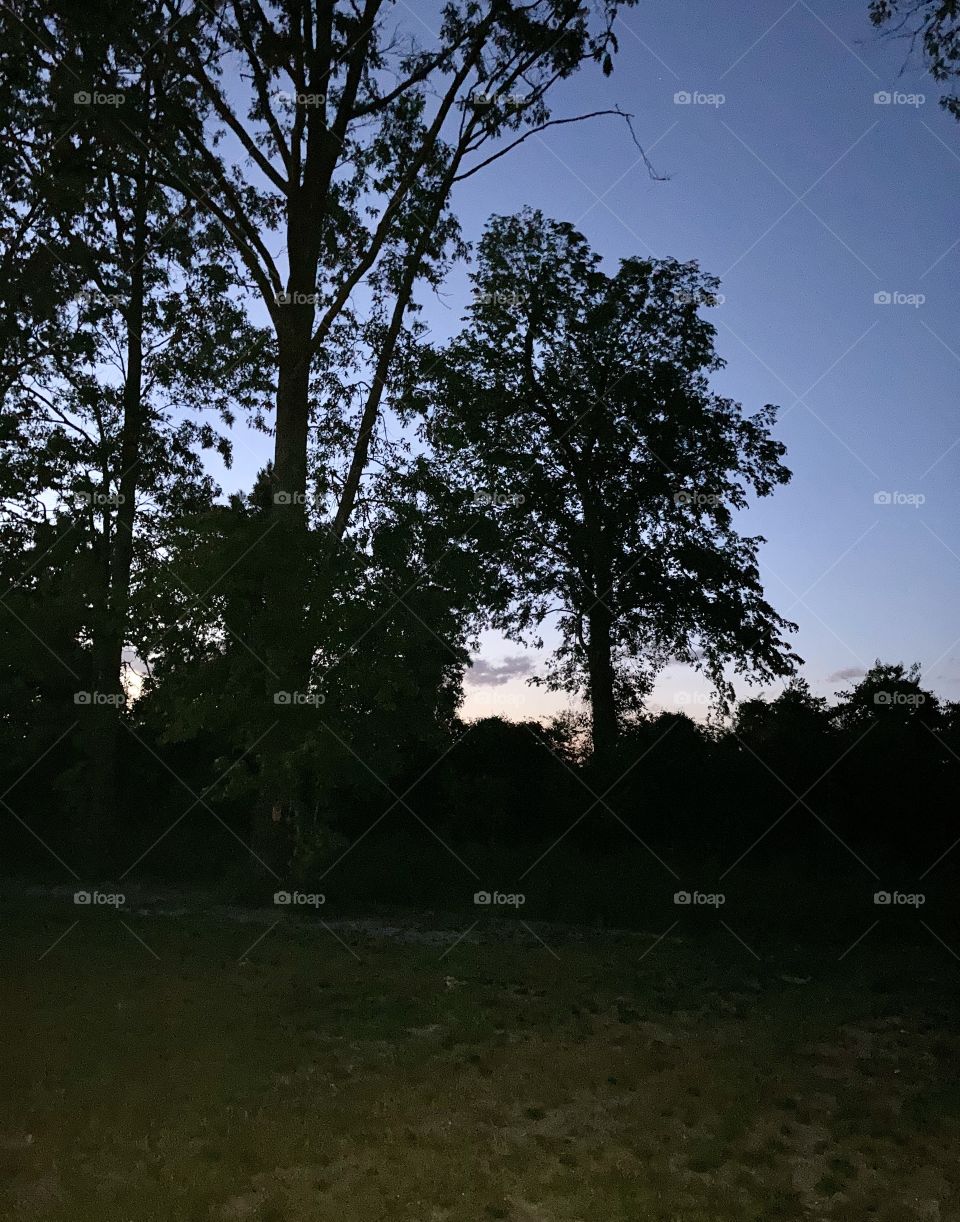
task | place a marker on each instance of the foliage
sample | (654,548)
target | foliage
(578,402)
(933,26)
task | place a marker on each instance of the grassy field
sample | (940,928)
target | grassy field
(203,1066)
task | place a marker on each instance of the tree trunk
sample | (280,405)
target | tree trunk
(293,413)
(110,632)
(603,707)
(283,645)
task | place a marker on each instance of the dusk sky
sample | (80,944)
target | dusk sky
(808,198)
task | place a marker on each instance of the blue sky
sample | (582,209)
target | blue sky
(808,198)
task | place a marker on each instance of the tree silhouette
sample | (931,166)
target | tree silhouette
(577,403)
(346,138)
(109,411)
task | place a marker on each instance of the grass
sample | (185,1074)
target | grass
(602,1077)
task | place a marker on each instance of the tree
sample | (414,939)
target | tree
(388,628)
(889,697)
(344,138)
(898,774)
(579,403)
(934,26)
(792,732)
(140,302)
(777,750)
(349,143)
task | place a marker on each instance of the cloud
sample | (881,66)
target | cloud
(696,655)
(848,672)
(489,674)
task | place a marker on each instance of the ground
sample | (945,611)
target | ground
(167,1062)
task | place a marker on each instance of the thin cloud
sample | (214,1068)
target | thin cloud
(848,672)
(489,674)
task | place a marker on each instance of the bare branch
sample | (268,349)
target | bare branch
(541,127)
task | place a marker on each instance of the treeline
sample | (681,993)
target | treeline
(268,683)
(864,785)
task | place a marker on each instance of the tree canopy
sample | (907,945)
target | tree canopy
(581,401)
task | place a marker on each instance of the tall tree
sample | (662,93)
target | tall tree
(110,415)
(332,127)
(348,143)
(580,402)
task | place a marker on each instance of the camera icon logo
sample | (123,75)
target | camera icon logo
(881,897)
(282,698)
(282,498)
(882,298)
(682,97)
(281,897)
(882,498)
(82,98)
(682,897)
(81,897)
(482,897)
(882,97)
